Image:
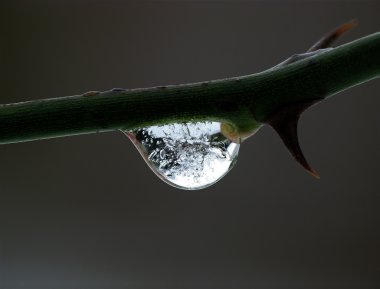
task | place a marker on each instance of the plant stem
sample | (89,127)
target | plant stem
(244,102)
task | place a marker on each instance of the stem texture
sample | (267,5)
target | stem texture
(244,102)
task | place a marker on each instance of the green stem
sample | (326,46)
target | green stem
(244,102)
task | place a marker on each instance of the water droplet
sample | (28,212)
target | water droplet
(187,155)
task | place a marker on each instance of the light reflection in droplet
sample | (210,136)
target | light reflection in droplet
(186,155)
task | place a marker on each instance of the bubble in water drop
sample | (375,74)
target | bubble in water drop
(187,155)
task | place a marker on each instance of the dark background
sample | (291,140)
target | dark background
(87,212)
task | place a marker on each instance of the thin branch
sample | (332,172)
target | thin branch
(243,102)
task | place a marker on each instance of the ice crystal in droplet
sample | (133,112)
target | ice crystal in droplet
(187,155)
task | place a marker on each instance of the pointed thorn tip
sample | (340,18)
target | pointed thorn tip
(314,174)
(284,122)
(328,39)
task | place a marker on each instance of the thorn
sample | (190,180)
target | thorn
(329,38)
(314,174)
(285,122)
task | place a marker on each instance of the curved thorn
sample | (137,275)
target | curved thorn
(285,122)
(329,38)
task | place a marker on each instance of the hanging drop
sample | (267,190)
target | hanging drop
(188,156)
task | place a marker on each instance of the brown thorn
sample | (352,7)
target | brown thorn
(284,122)
(329,38)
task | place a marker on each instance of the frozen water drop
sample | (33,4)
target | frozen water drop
(186,155)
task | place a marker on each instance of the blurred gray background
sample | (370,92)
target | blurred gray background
(87,212)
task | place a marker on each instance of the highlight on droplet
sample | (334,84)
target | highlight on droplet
(188,156)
